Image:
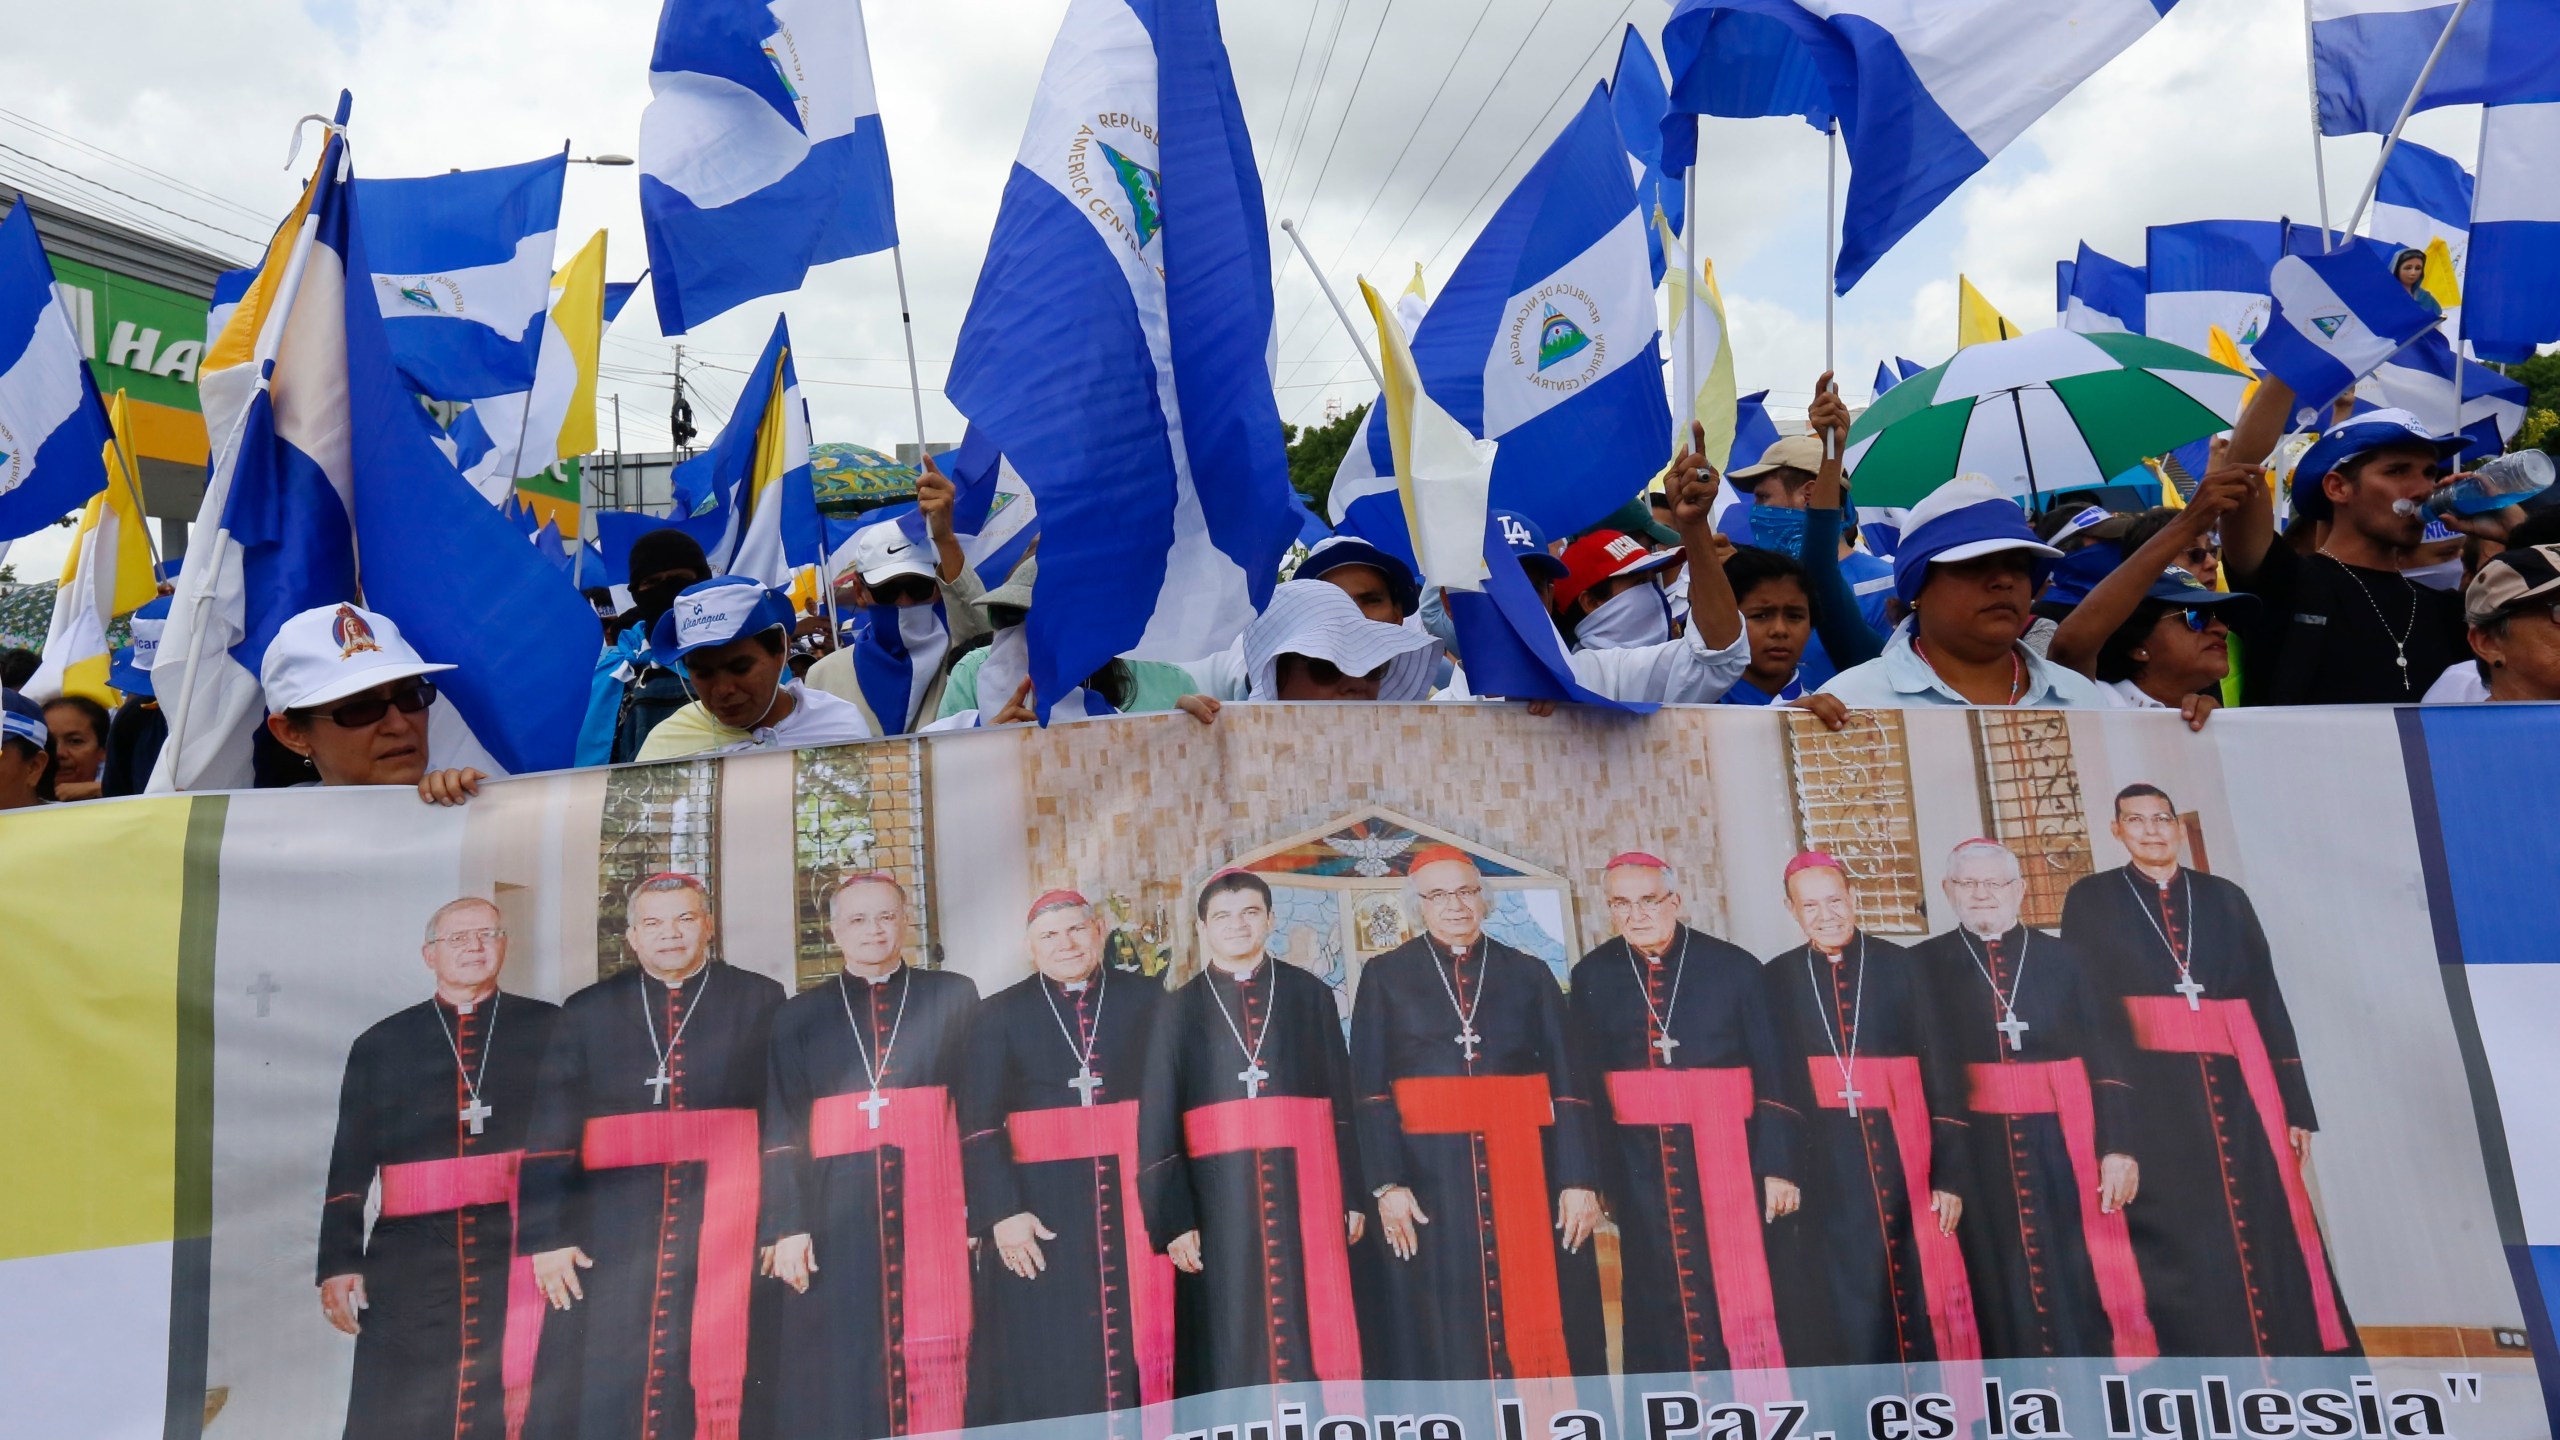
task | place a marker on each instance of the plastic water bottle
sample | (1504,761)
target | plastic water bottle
(2507,480)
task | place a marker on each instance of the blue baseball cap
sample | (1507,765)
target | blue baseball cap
(2361,436)
(717,612)
(130,669)
(2179,588)
(1966,517)
(1335,551)
(1528,544)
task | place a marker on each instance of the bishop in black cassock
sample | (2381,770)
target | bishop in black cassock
(1660,981)
(674,1035)
(1073,1304)
(1855,1286)
(1240,1066)
(2043,1225)
(433,1105)
(864,1187)
(1455,1003)
(2231,1256)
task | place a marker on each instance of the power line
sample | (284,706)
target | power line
(135,166)
(1344,122)
(1418,126)
(1306,122)
(1281,122)
(1464,132)
(127,194)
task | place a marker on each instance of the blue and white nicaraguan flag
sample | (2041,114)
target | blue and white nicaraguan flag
(749,498)
(2422,196)
(2099,295)
(1116,350)
(2366,55)
(992,512)
(1546,341)
(760,153)
(465,273)
(2420,380)
(2510,304)
(53,431)
(1637,96)
(2334,320)
(1925,92)
(321,456)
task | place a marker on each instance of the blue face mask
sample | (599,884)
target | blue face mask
(1777,528)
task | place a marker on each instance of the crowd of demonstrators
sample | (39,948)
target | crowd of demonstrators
(2186,607)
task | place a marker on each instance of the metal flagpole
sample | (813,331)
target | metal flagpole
(1290,228)
(1689,322)
(915,384)
(2408,107)
(133,482)
(524,422)
(1831,266)
(2319,158)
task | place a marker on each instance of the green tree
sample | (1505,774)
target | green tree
(1316,451)
(2541,377)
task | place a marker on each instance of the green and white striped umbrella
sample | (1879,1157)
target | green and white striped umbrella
(2052,410)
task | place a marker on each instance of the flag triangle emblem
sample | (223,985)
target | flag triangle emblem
(1559,339)
(1139,184)
(2330,325)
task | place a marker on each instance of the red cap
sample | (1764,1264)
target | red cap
(1813,860)
(1056,900)
(690,882)
(1639,858)
(1434,854)
(1605,555)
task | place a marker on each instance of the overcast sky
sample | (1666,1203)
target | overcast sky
(1388,128)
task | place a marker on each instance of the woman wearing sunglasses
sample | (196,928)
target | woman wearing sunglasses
(346,692)
(2153,634)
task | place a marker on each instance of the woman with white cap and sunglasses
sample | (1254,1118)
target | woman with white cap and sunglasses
(347,693)
(731,639)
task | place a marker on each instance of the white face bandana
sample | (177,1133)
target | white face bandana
(1634,617)
(2443,575)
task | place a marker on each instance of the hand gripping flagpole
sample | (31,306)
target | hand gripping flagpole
(1290,228)
(2408,107)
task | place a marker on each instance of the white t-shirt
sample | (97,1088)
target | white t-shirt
(2460,684)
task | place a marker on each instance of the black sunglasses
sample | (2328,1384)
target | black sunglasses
(1325,672)
(357,714)
(2198,617)
(904,590)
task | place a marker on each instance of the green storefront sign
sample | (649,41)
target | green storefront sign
(144,339)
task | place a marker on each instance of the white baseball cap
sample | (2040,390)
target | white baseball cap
(331,652)
(883,552)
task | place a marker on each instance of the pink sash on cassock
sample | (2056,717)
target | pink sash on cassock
(2060,1088)
(2226,1027)
(1079,1132)
(1302,1126)
(1510,1114)
(432,1187)
(1715,1107)
(1906,1104)
(933,1215)
(724,1142)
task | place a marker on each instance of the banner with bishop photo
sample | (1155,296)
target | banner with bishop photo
(1339,1073)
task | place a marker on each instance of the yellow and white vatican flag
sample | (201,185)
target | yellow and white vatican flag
(107,574)
(1444,474)
(1701,351)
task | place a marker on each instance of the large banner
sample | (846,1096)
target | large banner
(1327,1073)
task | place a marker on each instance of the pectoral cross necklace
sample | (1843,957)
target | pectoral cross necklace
(2187,984)
(659,1082)
(1466,1037)
(478,1111)
(875,1102)
(1085,1081)
(2010,1026)
(1252,1074)
(1663,1044)
(1848,1094)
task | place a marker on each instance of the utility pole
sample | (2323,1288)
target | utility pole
(680,415)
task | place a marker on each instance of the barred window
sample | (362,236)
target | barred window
(2031,792)
(855,808)
(656,818)
(1853,800)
